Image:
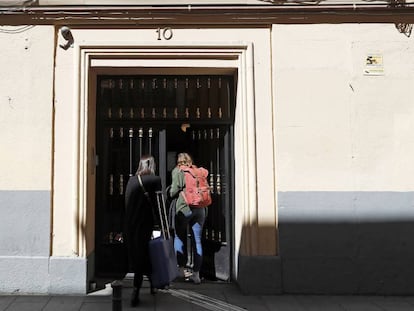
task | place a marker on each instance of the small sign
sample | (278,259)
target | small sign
(374,65)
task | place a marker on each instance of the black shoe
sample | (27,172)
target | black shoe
(135,297)
(153,291)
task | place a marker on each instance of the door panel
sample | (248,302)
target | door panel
(163,116)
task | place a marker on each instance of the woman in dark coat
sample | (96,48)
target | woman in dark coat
(139,221)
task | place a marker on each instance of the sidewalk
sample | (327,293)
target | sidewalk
(207,296)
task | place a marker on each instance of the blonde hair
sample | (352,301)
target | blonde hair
(184,159)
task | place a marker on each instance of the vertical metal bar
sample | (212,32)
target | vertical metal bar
(111,99)
(176,100)
(211,184)
(131,137)
(120,98)
(162,147)
(218,182)
(185,98)
(198,98)
(121,184)
(219,100)
(153,94)
(208,98)
(228,198)
(165,93)
(143,99)
(130,96)
(150,141)
(218,187)
(211,177)
(111,184)
(140,136)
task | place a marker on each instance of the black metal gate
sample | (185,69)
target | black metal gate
(163,116)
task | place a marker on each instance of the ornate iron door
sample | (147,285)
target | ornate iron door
(162,116)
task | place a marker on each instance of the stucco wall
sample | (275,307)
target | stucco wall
(26,126)
(342,139)
(26,107)
(344,163)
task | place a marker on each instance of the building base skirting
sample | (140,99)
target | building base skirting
(260,275)
(42,275)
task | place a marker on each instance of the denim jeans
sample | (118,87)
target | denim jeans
(195,223)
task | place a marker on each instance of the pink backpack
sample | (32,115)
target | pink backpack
(197,190)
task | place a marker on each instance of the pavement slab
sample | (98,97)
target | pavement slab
(184,296)
(5,301)
(64,303)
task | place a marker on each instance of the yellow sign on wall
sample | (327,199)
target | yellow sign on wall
(374,65)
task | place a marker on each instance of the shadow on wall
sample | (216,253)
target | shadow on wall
(347,242)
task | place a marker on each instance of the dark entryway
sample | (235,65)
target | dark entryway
(162,116)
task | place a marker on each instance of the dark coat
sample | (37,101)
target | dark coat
(139,221)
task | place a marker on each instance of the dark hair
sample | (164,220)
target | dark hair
(146,166)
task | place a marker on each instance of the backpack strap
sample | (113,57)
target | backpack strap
(146,194)
(142,186)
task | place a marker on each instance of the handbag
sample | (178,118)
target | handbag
(164,268)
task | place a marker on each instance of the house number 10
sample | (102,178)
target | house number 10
(164,33)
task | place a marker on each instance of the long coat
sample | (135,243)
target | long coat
(139,221)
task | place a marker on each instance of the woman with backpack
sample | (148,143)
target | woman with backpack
(192,216)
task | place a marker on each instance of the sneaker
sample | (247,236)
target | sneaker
(196,278)
(181,272)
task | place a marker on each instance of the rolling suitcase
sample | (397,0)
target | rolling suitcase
(161,250)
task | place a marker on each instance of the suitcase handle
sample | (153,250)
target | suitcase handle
(165,227)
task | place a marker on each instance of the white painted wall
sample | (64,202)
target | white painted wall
(337,129)
(26,106)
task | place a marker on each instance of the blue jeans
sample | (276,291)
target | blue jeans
(195,222)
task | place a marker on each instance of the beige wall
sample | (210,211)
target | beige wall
(332,127)
(26,107)
(338,129)
(309,116)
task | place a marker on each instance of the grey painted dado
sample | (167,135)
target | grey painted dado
(25,262)
(25,223)
(329,242)
(347,242)
(259,275)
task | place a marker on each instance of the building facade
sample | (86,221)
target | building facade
(302,112)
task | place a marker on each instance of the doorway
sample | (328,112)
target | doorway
(163,115)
